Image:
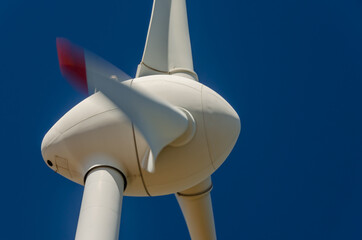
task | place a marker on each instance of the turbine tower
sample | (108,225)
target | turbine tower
(162,132)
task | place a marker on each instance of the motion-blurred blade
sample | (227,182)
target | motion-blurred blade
(82,68)
(159,122)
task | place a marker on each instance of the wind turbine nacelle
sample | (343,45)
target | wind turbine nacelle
(97,133)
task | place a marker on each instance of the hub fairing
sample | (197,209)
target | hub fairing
(96,126)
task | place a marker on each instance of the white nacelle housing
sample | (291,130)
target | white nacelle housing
(97,127)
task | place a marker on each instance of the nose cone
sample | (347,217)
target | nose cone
(93,133)
(64,138)
(222,125)
(48,140)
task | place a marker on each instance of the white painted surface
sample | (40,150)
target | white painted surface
(117,129)
(100,213)
(168,48)
(97,126)
(196,207)
(97,68)
(159,122)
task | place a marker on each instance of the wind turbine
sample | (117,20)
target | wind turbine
(159,133)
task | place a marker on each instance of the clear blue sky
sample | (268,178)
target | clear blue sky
(291,69)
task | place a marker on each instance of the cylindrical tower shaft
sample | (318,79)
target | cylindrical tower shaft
(100,213)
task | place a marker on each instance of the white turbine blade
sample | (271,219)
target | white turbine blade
(148,162)
(159,122)
(168,48)
(82,67)
(98,68)
(196,207)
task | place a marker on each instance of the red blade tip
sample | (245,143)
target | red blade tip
(72,63)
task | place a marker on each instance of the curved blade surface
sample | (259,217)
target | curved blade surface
(159,122)
(168,48)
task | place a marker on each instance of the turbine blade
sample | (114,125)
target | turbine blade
(148,162)
(168,48)
(82,68)
(196,207)
(159,122)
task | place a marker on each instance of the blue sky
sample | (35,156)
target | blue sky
(291,69)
